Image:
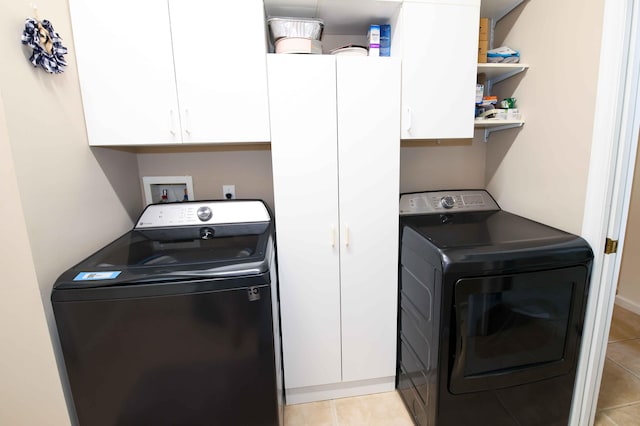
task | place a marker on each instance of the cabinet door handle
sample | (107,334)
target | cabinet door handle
(172,123)
(333,236)
(187,122)
(408,119)
(346,235)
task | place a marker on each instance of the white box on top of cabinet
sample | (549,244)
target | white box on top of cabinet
(335,149)
(437,41)
(172,71)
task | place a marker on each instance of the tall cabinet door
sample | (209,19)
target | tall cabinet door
(439,68)
(221,71)
(369,165)
(125,65)
(302,98)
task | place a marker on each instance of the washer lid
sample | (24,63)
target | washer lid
(182,241)
(136,259)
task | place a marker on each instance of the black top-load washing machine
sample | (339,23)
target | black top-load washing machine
(491,313)
(176,322)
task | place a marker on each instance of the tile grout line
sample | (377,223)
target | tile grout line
(617,407)
(334,413)
(609,418)
(622,340)
(626,370)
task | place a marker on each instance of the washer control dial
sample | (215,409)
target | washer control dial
(204,213)
(447,202)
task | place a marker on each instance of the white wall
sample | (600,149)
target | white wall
(540,171)
(74,199)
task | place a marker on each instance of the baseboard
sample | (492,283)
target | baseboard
(628,304)
(339,390)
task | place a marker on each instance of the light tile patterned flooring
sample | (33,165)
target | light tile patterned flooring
(381,409)
(619,401)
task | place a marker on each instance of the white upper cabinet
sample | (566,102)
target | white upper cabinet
(220,58)
(438,42)
(164,72)
(126,71)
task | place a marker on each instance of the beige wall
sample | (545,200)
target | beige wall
(456,164)
(74,199)
(541,170)
(629,280)
(67,189)
(425,165)
(30,391)
(247,167)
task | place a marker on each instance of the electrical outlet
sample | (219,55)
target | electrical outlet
(229,192)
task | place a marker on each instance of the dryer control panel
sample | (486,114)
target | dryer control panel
(454,201)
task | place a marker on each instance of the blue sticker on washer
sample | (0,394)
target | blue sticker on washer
(90,276)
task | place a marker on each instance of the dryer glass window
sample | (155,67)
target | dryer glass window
(524,324)
(507,325)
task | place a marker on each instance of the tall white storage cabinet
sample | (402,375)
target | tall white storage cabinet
(335,150)
(438,43)
(162,71)
(304,153)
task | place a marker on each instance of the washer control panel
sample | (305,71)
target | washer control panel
(446,202)
(202,213)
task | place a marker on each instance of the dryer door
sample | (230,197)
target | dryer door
(514,329)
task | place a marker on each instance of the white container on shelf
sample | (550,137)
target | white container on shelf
(281,27)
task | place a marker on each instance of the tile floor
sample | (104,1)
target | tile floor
(381,409)
(619,401)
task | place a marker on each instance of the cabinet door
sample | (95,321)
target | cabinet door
(125,66)
(369,164)
(439,67)
(221,73)
(302,98)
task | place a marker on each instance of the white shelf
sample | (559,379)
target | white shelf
(499,72)
(495,122)
(491,125)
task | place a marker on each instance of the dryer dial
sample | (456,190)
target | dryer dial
(447,202)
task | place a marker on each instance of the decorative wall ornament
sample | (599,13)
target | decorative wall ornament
(48,50)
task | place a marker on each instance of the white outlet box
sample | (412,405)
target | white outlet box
(229,192)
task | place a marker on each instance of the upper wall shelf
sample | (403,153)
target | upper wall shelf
(498,72)
(494,125)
